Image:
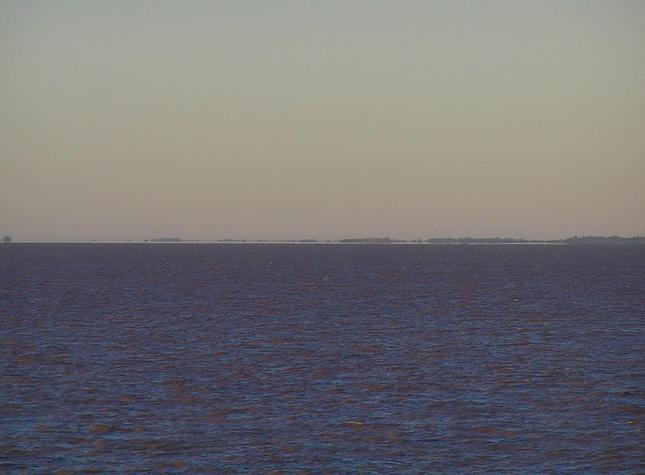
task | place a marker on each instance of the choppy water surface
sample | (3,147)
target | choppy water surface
(321,358)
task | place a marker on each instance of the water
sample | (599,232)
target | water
(321,358)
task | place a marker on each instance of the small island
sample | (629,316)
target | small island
(166,239)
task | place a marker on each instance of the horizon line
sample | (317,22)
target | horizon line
(359,240)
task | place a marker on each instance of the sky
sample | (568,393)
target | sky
(321,119)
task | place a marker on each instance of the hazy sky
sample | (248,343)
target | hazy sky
(325,119)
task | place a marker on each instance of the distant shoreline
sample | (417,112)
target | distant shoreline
(337,243)
(573,241)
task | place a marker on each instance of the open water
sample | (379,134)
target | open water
(185,358)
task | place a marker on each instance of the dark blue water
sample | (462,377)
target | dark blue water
(322,358)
